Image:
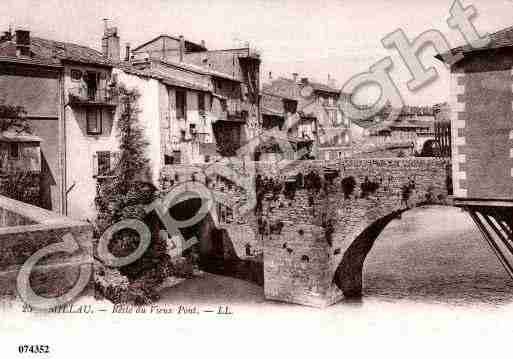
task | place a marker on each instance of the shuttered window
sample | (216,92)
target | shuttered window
(104,163)
(94,121)
(201,101)
(181,105)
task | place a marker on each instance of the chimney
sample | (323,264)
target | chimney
(203,44)
(127,51)
(270,75)
(294,76)
(110,42)
(182,47)
(22,43)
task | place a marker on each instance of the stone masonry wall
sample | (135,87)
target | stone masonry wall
(481,126)
(22,186)
(29,229)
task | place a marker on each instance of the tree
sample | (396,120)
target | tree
(128,189)
(124,196)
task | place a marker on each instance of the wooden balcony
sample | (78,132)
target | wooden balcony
(82,96)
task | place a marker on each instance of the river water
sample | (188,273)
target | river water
(435,254)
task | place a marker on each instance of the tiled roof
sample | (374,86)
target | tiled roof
(158,75)
(317,86)
(49,49)
(50,52)
(170,37)
(500,39)
(288,88)
(198,69)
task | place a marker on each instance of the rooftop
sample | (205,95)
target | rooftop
(498,40)
(51,52)
(176,38)
(159,75)
(284,87)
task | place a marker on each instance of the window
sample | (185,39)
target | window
(181,105)
(332,115)
(14,151)
(182,135)
(76,75)
(104,163)
(201,101)
(94,121)
(177,157)
(192,128)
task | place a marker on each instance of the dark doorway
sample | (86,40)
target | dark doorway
(91,79)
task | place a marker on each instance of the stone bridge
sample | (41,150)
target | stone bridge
(313,222)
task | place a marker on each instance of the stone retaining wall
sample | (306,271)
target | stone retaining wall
(30,229)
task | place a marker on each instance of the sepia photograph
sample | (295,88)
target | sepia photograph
(256,178)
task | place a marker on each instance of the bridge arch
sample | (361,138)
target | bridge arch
(218,250)
(348,276)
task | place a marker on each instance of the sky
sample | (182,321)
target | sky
(317,39)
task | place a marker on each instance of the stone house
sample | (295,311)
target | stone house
(481,115)
(70,94)
(64,90)
(234,76)
(31,77)
(299,131)
(319,101)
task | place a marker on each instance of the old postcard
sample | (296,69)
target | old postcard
(256,178)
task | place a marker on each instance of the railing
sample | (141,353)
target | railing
(84,95)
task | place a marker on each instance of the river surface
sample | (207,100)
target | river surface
(435,254)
